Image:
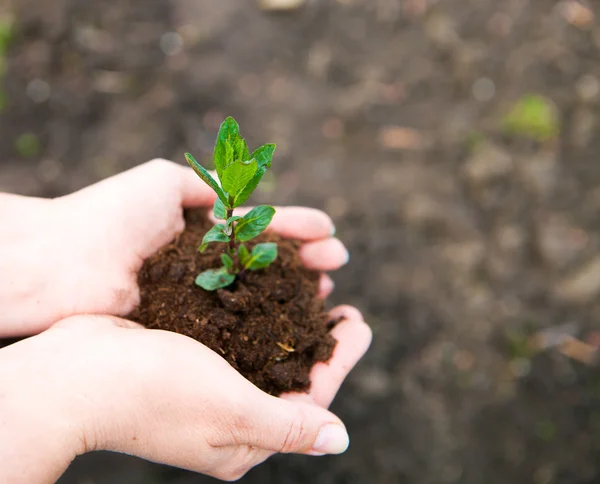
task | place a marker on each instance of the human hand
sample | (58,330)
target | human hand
(103,383)
(80,254)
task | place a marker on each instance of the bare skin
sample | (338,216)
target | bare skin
(89,382)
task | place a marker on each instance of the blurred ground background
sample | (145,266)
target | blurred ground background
(454,142)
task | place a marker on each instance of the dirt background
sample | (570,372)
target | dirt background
(388,115)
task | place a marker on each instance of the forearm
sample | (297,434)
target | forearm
(38,439)
(28,455)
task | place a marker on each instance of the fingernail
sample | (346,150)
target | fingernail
(347,259)
(333,230)
(332,439)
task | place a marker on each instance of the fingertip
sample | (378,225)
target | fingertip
(326,286)
(325,255)
(347,312)
(357,331)
(303,223)
(332,439)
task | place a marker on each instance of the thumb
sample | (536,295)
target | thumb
(284,426)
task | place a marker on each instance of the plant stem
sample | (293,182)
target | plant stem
(232,245)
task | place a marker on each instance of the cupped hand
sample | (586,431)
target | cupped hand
(80,254)
(100,382)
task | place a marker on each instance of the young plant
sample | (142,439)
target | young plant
(239,173)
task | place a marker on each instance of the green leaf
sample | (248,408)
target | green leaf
(240,150)
(237,175)
(214,279)
(215,234)
(230,221)
(243,254)
(229,132)
(254,222)
(205,176)
(227,261)
(219,210)
(262,256)
(249,188)
(234,218)
(264,155)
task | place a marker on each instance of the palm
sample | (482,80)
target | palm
(117,223)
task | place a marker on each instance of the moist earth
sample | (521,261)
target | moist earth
(271,327)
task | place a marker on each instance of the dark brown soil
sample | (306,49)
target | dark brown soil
(271,327)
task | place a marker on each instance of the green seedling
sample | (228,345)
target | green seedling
(239,173)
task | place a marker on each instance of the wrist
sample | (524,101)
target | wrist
(40,421)
(26,302)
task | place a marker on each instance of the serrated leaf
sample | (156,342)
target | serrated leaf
(262,256)
(214,279)
(243,254)
(237,175)
(205,176)
(229,132)
(254,222)
(215,234)
(264,155)
(219,210)
(227,261)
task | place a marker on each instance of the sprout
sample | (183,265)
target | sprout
(239,173)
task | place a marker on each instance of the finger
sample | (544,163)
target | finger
(194,192)
(354,338)
(277,425)
(326,286)
(298,222)
(324,255)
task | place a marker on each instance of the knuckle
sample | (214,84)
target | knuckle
(232,475)
(294,434)
(124,298)
(161,171)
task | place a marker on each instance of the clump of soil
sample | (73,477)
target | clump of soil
(271,326)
